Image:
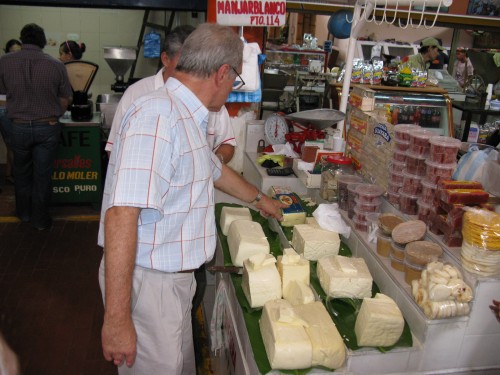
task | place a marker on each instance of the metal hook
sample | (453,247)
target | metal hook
(347,19)
(395,14)
(383,16)
(435,17)
(421,17)
(408,19)
(367,17)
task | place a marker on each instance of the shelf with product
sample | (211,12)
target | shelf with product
(429,107)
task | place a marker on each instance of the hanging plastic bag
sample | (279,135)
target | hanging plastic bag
(152,45)
(250,72)
(471,166)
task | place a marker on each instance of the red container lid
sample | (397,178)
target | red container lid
(338,159)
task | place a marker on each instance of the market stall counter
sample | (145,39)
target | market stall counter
(77,175)
(459,343)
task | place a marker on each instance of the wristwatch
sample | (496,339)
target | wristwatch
(257,198)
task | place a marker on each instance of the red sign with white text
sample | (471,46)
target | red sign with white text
(251,13)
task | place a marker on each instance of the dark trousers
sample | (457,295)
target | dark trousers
(34,146)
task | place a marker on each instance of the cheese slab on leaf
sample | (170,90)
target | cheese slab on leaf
(287,344)
(246,238)
(261,280)
(313,242)
(230,214)
(328,346)
(379,322)
(344,277)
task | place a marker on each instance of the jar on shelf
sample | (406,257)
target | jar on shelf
(333,167)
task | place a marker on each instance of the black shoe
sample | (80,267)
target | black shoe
(44,226)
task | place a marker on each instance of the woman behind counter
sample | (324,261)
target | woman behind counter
(70,50)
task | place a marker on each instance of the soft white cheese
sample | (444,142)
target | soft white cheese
(313,242)
(293,267)
(298,293)
(246,238)
(261,280)
(327,344)
(379,322)
(312,222)
(287,344)
(230,214)
(341,276)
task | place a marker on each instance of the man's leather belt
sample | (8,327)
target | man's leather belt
(46,120)
(186,271)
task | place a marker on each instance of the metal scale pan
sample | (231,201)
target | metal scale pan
(321,118)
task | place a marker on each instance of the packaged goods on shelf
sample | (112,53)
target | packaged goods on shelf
(362,98)
(409,231)
(480,252)
(441,291)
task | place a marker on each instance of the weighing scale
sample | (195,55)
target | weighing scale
(279,128)
(81,74)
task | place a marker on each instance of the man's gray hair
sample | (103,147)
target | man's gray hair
(208,48)
(175,39)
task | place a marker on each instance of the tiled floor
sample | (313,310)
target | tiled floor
(50,303)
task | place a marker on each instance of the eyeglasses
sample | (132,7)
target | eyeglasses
(238,84)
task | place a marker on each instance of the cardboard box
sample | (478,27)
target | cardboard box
(308,179)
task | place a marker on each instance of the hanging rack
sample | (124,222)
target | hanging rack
(363,9)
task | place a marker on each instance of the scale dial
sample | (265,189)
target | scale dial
(275,129)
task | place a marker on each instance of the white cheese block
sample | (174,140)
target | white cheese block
(246,238)
(328,347)
(293,267)
(379,322)
(261,280)
(312,222)
(347,277)
(313,242)
(287,344)
(230,214)
(298,293)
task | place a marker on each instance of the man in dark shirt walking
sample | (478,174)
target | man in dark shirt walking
(38,92)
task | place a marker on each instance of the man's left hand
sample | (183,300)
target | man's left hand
(270,207)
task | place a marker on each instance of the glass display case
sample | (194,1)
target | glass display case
(429,107)
(292,60)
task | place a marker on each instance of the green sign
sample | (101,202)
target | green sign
(77,176)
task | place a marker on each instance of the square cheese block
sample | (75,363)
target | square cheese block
(246,238)
(328,346)
(261,280)
(298,293)
(379,322)
(287,344)
(347,277)
(313,242)
(230,214)
(293,267)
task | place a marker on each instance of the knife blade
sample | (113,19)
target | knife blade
(226,269)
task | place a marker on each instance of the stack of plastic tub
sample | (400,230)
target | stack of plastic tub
(416,169)
(367,200)
(343,182)
(398,162)
(440,164)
